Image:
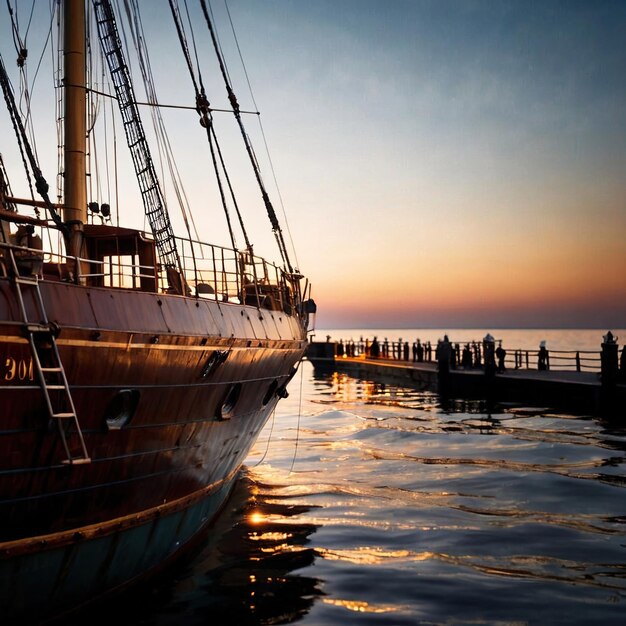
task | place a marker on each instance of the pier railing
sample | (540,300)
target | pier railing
(571,360)
(470,355)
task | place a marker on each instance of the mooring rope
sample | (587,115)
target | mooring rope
(295,451)
(269,438)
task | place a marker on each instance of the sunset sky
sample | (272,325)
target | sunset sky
(442,163)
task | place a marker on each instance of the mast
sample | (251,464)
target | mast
(75,125)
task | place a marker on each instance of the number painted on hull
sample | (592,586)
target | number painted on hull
(17,369)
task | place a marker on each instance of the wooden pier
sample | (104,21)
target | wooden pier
(578,391)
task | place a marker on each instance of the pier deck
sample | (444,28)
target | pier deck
(577,391)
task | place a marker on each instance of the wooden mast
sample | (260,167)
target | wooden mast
(75,209)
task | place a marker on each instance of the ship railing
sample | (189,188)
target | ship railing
(209,271)
(48,265)
(228,275)
(26,261)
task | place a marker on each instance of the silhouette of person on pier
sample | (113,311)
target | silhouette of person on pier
(622,364)
(375,348)
(420,352)
(443,354)
(501,355)
(340,348)
(453,357)
(477,356)
(542,357)
(399,349)
(466,359)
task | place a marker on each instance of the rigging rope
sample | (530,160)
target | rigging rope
(233,101)
(202,105)
(22,54)
(219,149)
(267,151)
(206,120)
(163,142)
(40,182)
(20,46)
(5,189)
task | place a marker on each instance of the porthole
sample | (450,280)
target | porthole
(227,408)
(121,409)
(270,392)
(213,362)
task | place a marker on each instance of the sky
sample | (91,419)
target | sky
(441,163)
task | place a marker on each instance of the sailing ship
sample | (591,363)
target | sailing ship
(138,368)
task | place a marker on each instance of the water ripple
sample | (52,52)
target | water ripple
(397,508)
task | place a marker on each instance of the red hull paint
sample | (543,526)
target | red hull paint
(158,346)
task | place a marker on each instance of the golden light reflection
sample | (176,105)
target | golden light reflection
(373,555)
(256,517)
(283,547)
(360,606)
(363,522)
(275,536)
(347,389)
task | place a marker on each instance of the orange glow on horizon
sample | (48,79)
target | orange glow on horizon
(563,280)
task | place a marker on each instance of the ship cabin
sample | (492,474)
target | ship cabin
(126,258)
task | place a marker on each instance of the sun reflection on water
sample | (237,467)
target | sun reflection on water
(256,517)
(360,606)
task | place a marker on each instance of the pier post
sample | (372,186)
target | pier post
(609,372)
(489,355)
(608,361)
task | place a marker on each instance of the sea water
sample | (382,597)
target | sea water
(370,503)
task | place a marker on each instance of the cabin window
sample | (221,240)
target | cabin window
(121,271)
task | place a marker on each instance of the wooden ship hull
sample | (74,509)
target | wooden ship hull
(136,370)
(171,392)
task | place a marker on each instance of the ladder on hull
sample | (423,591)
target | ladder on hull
(49,369)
